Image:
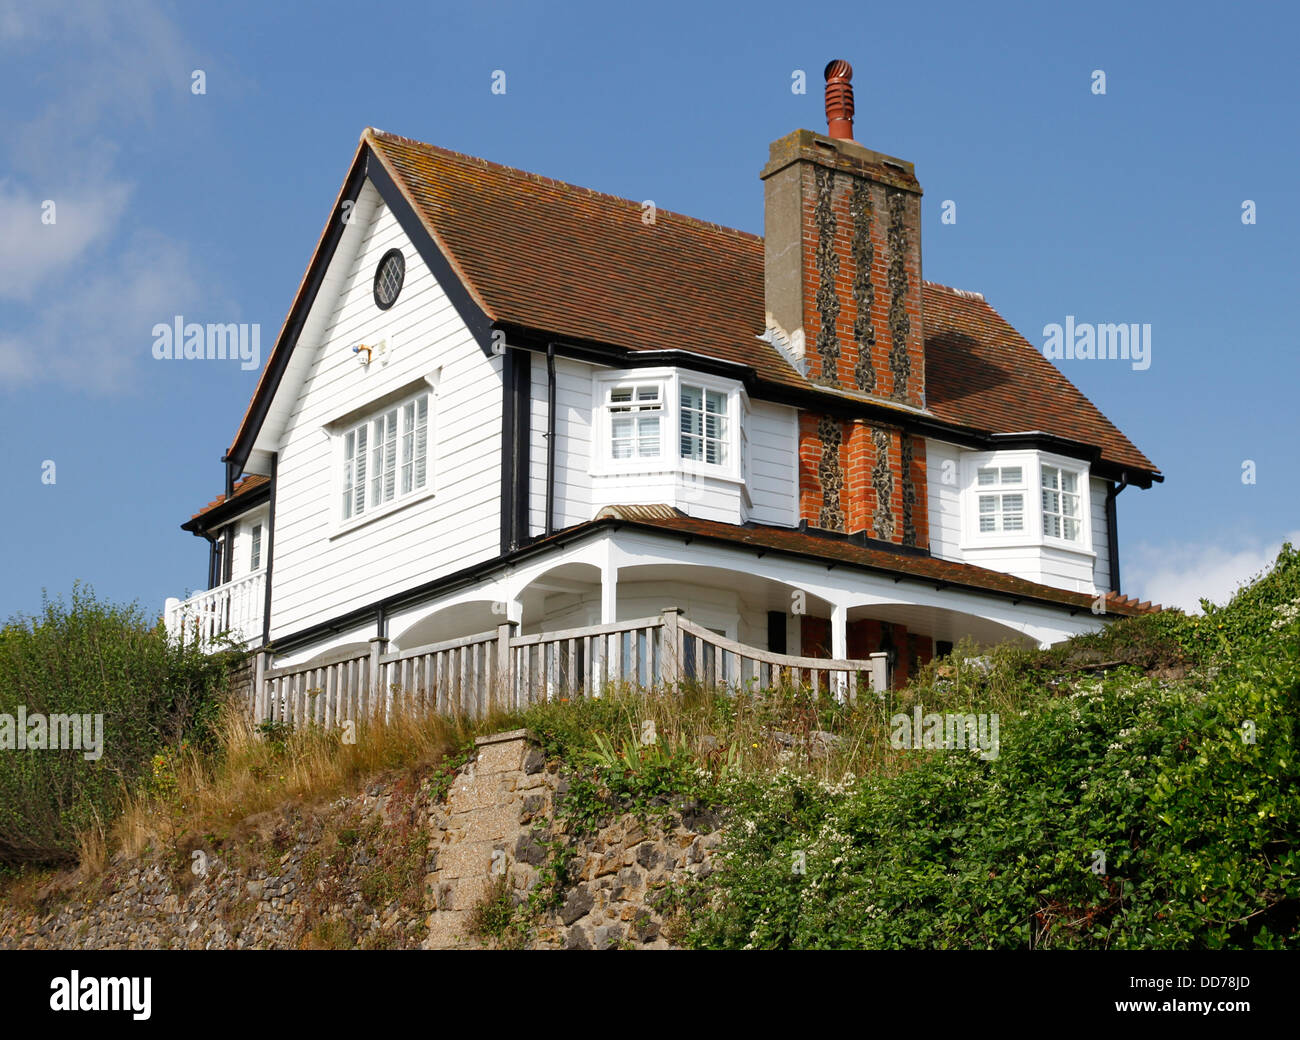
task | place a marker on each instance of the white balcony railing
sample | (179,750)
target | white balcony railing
(233,609)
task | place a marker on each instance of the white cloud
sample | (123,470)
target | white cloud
(95,337)
(32,251)
(84,293)
(1182,573)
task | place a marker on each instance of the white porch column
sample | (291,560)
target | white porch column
(610,656)
(839,646)
(609,585)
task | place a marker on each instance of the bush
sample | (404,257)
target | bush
(92,658)
(1123,811)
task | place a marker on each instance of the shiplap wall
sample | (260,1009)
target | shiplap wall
(320,572)
(772,432)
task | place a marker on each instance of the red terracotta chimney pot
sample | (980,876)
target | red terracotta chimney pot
(839,99)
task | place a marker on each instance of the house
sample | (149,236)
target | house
(499,398)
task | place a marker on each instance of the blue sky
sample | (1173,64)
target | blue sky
(1122,207)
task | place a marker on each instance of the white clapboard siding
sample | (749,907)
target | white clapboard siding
(1100,536)
(943,475)
(773,464)
(319,572)
(572,444)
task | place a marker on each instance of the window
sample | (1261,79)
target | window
(255,557)
(1025,498)
(1061,508)
(662,420)
(389,276)
(1001,498)
(375,472)
(634,414)
(704,425)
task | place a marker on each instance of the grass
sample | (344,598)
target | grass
(211,793)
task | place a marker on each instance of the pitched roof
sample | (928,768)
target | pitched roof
(243,491)
(572,262)
(838,549)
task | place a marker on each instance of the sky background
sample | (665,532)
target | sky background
(1117,208)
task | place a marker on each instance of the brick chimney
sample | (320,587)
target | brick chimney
(843,263)
(843,296)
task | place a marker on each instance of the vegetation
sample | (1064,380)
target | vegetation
(92,659)
(1124,810)
(1144,791)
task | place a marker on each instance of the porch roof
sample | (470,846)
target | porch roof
(836,549)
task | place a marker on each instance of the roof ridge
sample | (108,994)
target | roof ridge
(538,178)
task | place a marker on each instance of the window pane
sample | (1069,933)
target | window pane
(1012,503)
(359,488)
(987,476)
(408,445)
(648,442)
(1070,481)
(421,440)
(1072,530)
(988,503)
(1051,477)
(1052,526)
(1011,475)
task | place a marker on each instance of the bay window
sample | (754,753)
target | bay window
(1024,498)
(661,420)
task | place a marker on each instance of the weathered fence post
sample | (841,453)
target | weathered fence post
(880,673)
(259,687)
(505,664)
(378,647)
(670,670)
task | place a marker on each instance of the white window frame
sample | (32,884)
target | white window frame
(1034,534)
(669,460)
(378,500)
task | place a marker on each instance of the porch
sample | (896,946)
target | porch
(233,610)
(500,670)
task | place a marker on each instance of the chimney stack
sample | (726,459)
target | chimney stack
(842,278)
(842,288)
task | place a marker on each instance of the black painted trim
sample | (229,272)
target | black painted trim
(237,457)
(217,516)
(270,551)
(1112,530)
(474,317)
(522,448)
(549,527)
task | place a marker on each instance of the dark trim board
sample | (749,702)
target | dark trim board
(237,457)
(478,322)
(217,516)
(516,422)
(270,551)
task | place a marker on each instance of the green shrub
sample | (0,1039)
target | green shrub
(1124,810)
(91,658)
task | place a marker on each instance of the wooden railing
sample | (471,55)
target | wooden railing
(499,670)
(233,610)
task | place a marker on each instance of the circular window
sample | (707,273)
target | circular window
(388,278)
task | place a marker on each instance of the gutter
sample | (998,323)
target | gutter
(1112,527)
(550,439)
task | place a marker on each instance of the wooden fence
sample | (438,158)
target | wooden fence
(500,670)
